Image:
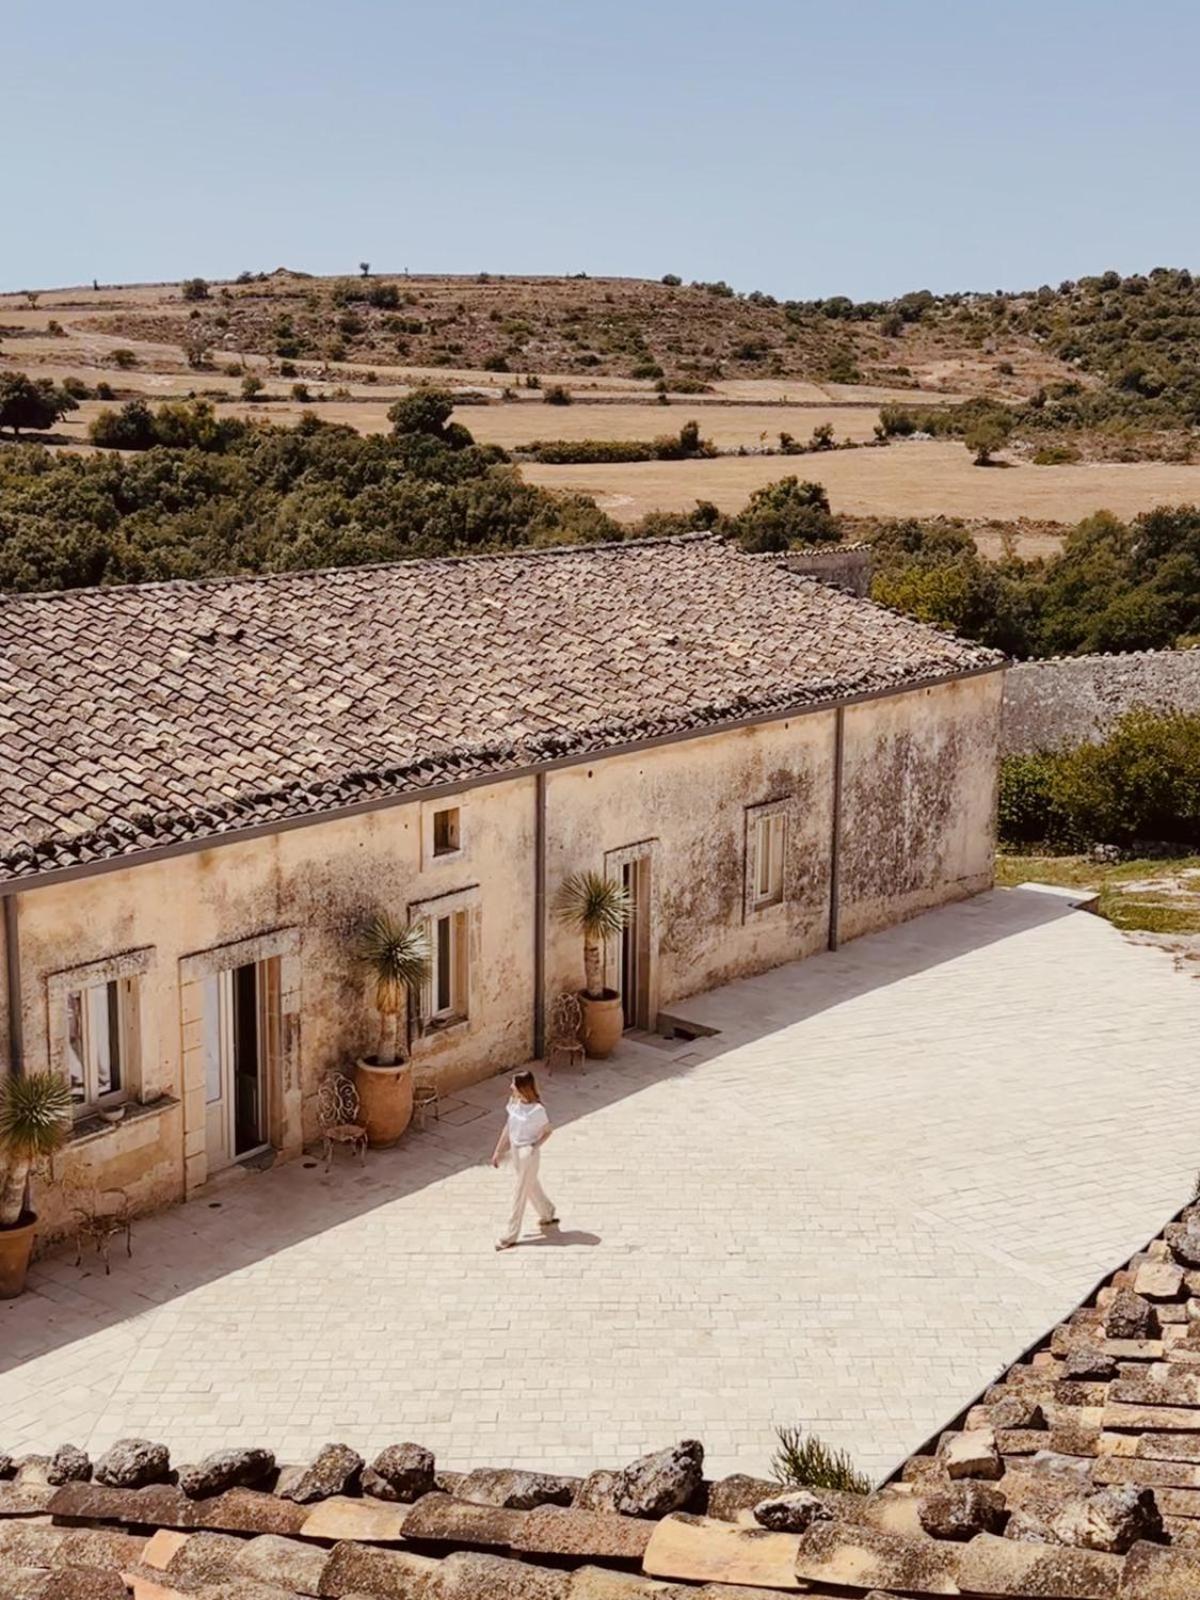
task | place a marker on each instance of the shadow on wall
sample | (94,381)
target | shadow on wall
(237,1223)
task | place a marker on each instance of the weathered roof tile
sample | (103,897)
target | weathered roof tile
(188,709)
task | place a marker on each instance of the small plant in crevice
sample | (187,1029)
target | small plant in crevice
(805,1462)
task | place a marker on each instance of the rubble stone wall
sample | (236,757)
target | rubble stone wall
(1072,700)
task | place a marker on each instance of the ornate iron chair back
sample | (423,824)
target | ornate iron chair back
(339,1116)
(566,1029)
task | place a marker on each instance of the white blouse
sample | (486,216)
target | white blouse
(527,1120)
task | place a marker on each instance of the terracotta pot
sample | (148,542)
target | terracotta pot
(386,1096)
(603,1023)
(16,1247)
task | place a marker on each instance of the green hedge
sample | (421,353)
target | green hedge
(570,452)
(1141,783)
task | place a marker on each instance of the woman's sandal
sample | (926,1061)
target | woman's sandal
(505,1244)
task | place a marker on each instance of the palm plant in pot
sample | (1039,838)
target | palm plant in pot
(598,908)
(35,1115)
(396,957)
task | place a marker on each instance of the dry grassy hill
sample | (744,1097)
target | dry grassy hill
(613,328)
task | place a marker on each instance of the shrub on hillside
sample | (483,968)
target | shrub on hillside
(427,412)
(194,289)
(555,395)
(783,514)
(984,436)
(130,428)
(124,359)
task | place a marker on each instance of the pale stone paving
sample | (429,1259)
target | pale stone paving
(891,1170)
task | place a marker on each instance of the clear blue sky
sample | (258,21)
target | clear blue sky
(803,148)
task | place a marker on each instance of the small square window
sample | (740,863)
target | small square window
(446,836)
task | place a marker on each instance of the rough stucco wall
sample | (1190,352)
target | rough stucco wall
(692,797)
(919,801)
(321,880)
(1049,705)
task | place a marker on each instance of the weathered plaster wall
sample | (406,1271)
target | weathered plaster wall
(919,801)
(1050,705)
(319,881)
(692,797)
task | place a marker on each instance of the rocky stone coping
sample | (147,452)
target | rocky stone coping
(654,1528)
(1076,1477)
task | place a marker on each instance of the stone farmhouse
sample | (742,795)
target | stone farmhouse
(207,786)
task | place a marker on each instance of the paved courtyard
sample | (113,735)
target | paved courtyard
(889,1171)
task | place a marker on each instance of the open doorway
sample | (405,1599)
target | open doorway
(633,868)
(235,1058)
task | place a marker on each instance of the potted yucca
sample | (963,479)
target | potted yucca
(598,908)
(396,957)
(35,1116)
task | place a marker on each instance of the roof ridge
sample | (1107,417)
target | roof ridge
(522,553)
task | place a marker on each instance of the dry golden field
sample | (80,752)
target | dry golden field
(903,480)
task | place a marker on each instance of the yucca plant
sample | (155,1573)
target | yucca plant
(806,1462)
(598,908)
(34,1119)
(397,956)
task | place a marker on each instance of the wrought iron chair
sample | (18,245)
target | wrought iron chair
(97,1215)
(565,1033)
(426,1097)
(339,1116)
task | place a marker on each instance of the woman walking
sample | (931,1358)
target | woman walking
(525,1131)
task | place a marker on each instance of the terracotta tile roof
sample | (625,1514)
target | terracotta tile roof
(143,716)
(1076,1476)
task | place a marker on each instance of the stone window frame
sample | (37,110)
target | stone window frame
(279,948)
(430,856)
(467,903)
(128,965)
(752,906)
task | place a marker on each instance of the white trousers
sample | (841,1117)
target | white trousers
(526,1159)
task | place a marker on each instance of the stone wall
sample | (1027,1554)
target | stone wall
(842,566)
(1075,699)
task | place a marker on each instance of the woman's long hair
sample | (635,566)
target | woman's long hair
(526,1086)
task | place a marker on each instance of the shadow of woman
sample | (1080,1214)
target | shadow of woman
(561,1236)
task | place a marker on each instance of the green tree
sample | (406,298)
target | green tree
(194,289)
(1141,783)
(33,404)
(427,412)
(130,428)
(984,437)
(782,514)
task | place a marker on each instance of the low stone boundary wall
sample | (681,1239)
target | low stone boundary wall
(1070,700)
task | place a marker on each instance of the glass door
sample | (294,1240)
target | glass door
(233,1065)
